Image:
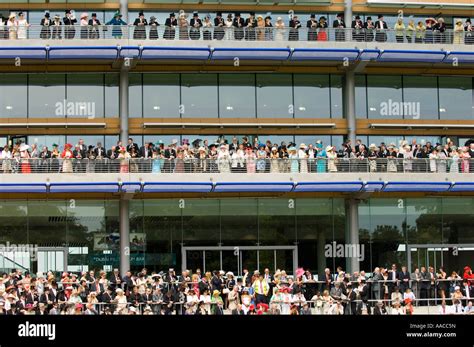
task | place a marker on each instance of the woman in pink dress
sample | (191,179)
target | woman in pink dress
(465,157)
(250,160)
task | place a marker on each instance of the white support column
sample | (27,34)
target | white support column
(348,18)
(123,110)
(124,237)
(124,10)
(349,105)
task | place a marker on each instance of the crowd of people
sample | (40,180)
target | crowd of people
(239,156)
(385,291)
(235,27)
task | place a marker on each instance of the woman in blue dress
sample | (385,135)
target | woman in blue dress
(293,157)
(321,157)
(157,160)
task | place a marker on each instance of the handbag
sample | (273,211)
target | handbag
(225,291)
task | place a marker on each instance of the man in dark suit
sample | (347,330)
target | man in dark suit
(380,27)
(94,25)
(99,154)
(393,279)
(404,278)
(339,25)
(295,26)
(146,152)
(425,286)
(250,25)
(69,21)
(357,29)
(238,25)
(219,26)
(131,145)
(79,156)
(115,280)
(170,24)
(170,156)
(140,24)
(312,26)
(467,292)
(196,24)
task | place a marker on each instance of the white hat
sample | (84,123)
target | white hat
(302,145)
(328,148)
(457,288)
(372,145)
(230,273)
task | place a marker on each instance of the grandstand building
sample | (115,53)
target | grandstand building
(108,83)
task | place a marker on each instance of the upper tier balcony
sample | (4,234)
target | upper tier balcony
(106,44)
(227,175)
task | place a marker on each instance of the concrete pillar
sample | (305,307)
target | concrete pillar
(124,10)
(124,204)
(352,233)
(124,237)
(321,257)
(348,18)
(349,105)
(123,107)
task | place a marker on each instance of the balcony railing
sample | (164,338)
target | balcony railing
(236,165)
(270,34)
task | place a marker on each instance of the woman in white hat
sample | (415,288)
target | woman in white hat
(293,157)
(372,156)
(22,26)
(279,29)
(458,32)
(332,158)
(303,158)
(223,159)
(274,160)
(84,25)
(12,25)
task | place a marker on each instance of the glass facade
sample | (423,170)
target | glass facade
(84,234)
(414,97)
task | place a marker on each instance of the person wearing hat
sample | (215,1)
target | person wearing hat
(196,25)
(153,23)
(223,159)
(357,26)
(170,155)
(183,26)
(420,30)
(380,29)
(279,29)
(84,22)
(228,26)
(260,30)
(23,25)
(458,32)
(303,158)
(69,21)
(439,29)
(140,24)
(238,24)
(469,32)
(429,28)
(332,159)
(56,27)
(312,26)
(217,304)
(295,26)
(268,28)
(219,26)
(338,24)
(45,27)
(250,25)
(94,25)
(12,26)
(116,22)
(170,24)
(369,27)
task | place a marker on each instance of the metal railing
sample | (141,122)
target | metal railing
(228,164)
(153,33)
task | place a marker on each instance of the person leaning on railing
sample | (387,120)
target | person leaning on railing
(399,30)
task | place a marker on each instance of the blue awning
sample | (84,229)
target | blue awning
(132,187)
(86,187)
(250,53)
(237,187)
(129,52)
(373,186)
(417,186)
(329,187)
(23,52)
(22,188)
(177,187)
(324,54)
(84,52)
(412,56)
(192,53)
(459,57)
(463,187)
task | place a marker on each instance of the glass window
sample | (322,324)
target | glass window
(455,98)
(420,96)
(384,97)
(199,95)
(47,140)
(360,96)
(13,95)
(457,220)
(85,95)
(237,95)
(161,95)
(112,95)
(311,96)
(135,96)
(276,222)
(110,140)
(201,222)
(336,96)
(47,96)
(167,139)
(274,96)
(239,222)
(89,140)
(424,220)
(47,222)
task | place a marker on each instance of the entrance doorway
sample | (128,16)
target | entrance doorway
(453,257)
(237,258)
